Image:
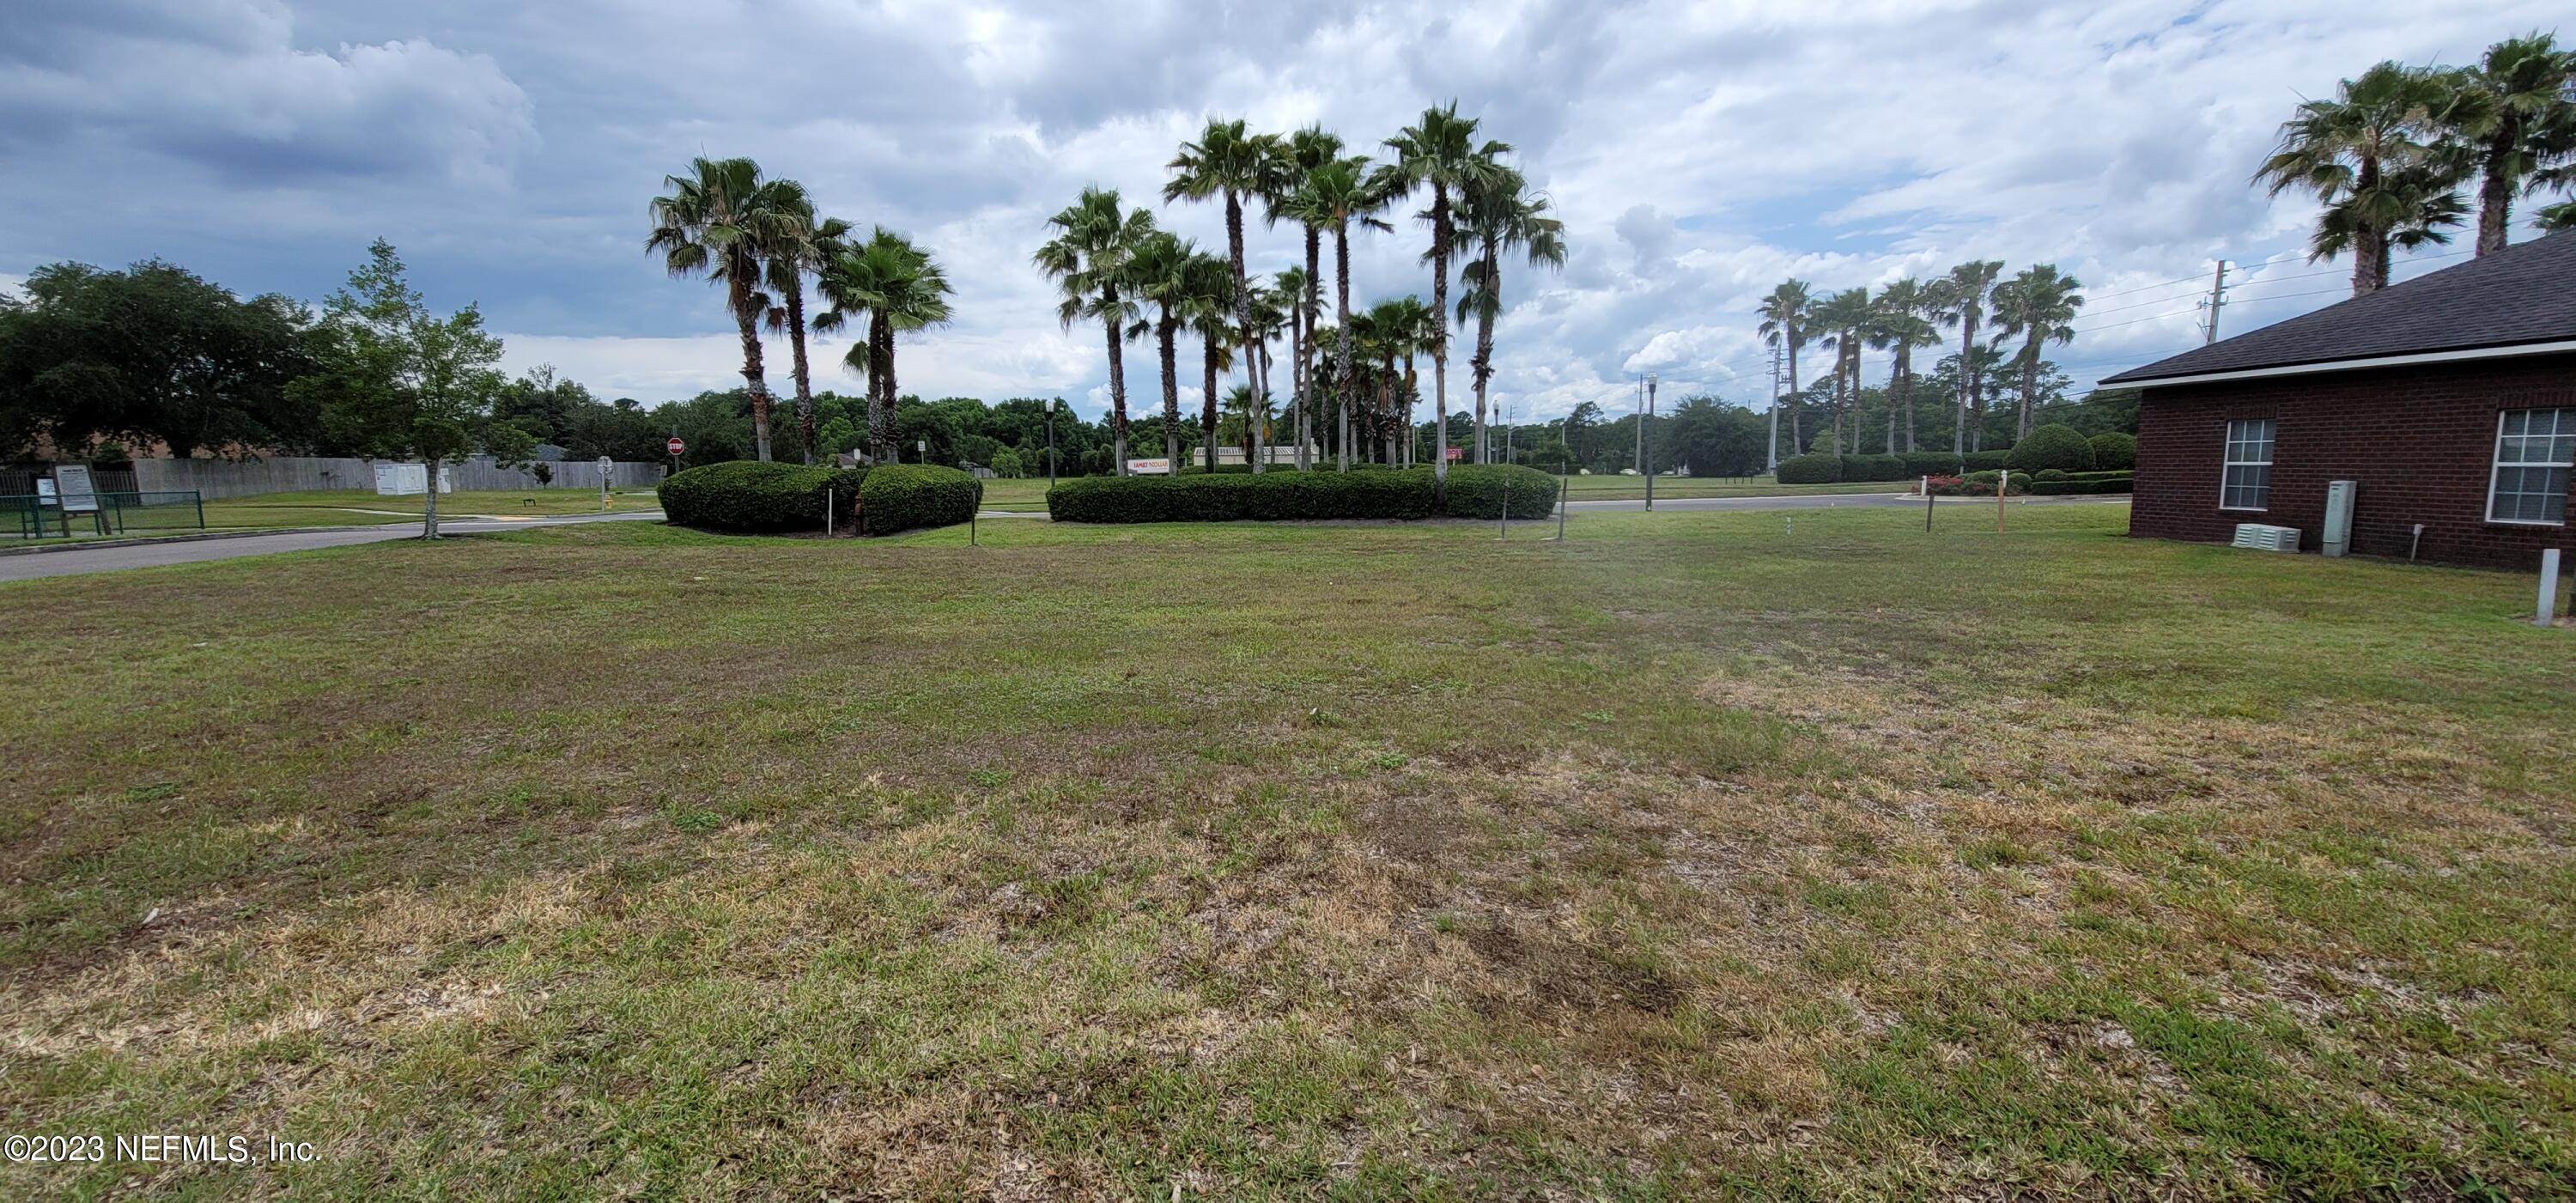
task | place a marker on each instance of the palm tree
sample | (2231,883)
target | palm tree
(1206,304)
(2355,152)
(1842,317)
(718,219)
(1226,161)
(1249,414)
(899,287)
(1087,258)
(1342,192)
(1297,288)
(1785,317)
(1440,150)
(2510,115)
(1162,272)
(805,245)
(1961,298)
(1406,327)
(2427,202)
(2040,306)
(1904,312)
(1499,215)
(1307,151)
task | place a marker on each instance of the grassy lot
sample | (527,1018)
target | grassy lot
(1026,494)
(1361,861)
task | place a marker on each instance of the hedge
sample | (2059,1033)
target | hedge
(2084,482)
(750,496)
(1478,491)
(1813,468)
(1475,491)
(899,497)
(2055,445)
(1876,467)
(2114,451)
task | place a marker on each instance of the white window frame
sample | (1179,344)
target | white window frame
(2227,460)
(2496,462)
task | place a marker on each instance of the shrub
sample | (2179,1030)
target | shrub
(1875,467)
(1981,484)
(2114,451)
(749,496)
(2084,482)
(2056,445)
(899,497)
(1479,490)
(1985,461)
(1931,463)
(1234,497)
(1006,464)
(2049,474)
(1813,468)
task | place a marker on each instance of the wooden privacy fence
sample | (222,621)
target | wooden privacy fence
(297,473)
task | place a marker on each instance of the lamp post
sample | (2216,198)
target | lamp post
(1646,446)
(1051,404)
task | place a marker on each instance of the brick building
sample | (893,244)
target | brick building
(2449,399)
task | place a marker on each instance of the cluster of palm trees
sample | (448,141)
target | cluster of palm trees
(2036,306)
(1113,264)
(2391,150)
(761,239)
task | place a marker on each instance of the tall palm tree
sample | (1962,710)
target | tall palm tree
(1207,307)
(2510,115)
(1785,319)
(717,219)
(899,287)
(1501,214)
(2427,204)
(1087,258)
(1226,161)
(1440,150)
(1248,413)
(1344,192)
(1162,272)
(2355,151)
(1962,298)
(1406,328)
(806,243)
(1307,151)
(1295,287)
(1904,318)
(1844,318)
(2039,305)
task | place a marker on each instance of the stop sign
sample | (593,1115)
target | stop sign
(677,446)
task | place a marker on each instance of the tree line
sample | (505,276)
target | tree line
(1352,385)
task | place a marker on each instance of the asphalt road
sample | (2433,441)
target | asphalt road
(110,556)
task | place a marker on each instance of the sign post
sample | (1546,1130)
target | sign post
(607,468)
(676,447)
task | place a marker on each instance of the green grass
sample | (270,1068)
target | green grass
(1680,859)
(357,507)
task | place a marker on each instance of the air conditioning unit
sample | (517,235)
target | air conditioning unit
(2267,538)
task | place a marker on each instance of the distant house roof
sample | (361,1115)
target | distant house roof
(2518,301)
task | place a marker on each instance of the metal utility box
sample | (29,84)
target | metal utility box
(2338,533)
(2261,537)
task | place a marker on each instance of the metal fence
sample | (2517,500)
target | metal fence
(31,516)
(298,474)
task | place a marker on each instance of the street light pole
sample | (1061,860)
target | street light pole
(1645,447)
(1051,404)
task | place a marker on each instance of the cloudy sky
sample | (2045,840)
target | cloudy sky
(1699,153)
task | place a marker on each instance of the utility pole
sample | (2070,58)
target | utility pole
(1641,441)
(1771,453)
(1051,404)
(1641,426)
(2217,300)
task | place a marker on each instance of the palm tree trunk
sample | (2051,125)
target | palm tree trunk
(2495,191)
(1439,344)
(1484,362)
(1967,379)
(746,319)
(1905,372)
(1792,333)
(1305,362)
(1171,394)
(1342,332)
(881,423)
(2029,384)
(1207,403)
(804,382)
(1117,387)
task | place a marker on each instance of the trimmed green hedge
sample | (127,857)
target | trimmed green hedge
(2084,482)
(2114,451)
(1479,490)
(2056,445)
(1876,467)
(752,497)
(1475,491)
(1813,468)
(899,497)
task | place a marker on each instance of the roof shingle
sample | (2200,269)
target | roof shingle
(2525,293)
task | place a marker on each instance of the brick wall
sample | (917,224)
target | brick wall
(2419,440)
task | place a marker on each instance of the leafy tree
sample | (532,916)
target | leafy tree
(838,435)
(150,353)
(1710,437)
(1440,150)
(1227,161)
(393,380)
(2355,152)
(1006,464)
(1088,260)
(2511,115)
(2039,305)
(1500,214)
(721,219)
